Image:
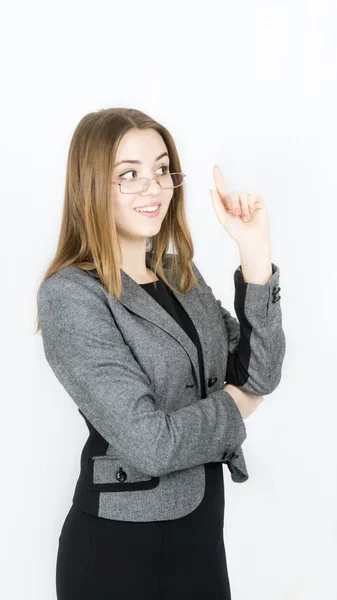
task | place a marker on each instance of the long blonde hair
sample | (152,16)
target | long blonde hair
(88,236)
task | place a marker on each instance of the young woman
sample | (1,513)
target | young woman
(142,346)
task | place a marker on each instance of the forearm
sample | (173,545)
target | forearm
(257,346)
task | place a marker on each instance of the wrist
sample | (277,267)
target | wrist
(256,264)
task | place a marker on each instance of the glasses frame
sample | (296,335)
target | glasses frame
(146,185)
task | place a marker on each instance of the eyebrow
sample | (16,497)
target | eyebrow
(139,162)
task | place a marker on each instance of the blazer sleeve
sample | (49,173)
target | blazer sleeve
(88,355)
(256,339)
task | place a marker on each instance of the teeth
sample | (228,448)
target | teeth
(149,209)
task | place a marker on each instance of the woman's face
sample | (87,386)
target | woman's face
(143,146)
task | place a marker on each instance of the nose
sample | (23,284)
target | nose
(152,185)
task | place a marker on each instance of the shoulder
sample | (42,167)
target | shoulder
(69,279)
(71,294)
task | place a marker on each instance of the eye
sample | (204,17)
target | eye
(165,167)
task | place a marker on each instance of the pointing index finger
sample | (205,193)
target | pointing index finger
(219,182)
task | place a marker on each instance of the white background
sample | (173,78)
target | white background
(246,85)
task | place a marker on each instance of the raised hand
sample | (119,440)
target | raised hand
(244,216)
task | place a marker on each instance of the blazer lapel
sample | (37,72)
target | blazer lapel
(137,300)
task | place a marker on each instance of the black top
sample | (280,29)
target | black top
(163,295)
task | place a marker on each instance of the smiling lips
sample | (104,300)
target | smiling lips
(149,211)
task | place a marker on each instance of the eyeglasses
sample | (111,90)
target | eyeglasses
(167,181)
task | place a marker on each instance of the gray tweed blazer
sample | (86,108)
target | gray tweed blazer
(133,373)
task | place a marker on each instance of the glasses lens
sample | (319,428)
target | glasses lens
(133,186)
(167,181)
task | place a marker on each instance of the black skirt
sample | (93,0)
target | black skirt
(181,559)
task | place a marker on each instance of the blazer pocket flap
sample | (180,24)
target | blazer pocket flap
(115,474)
